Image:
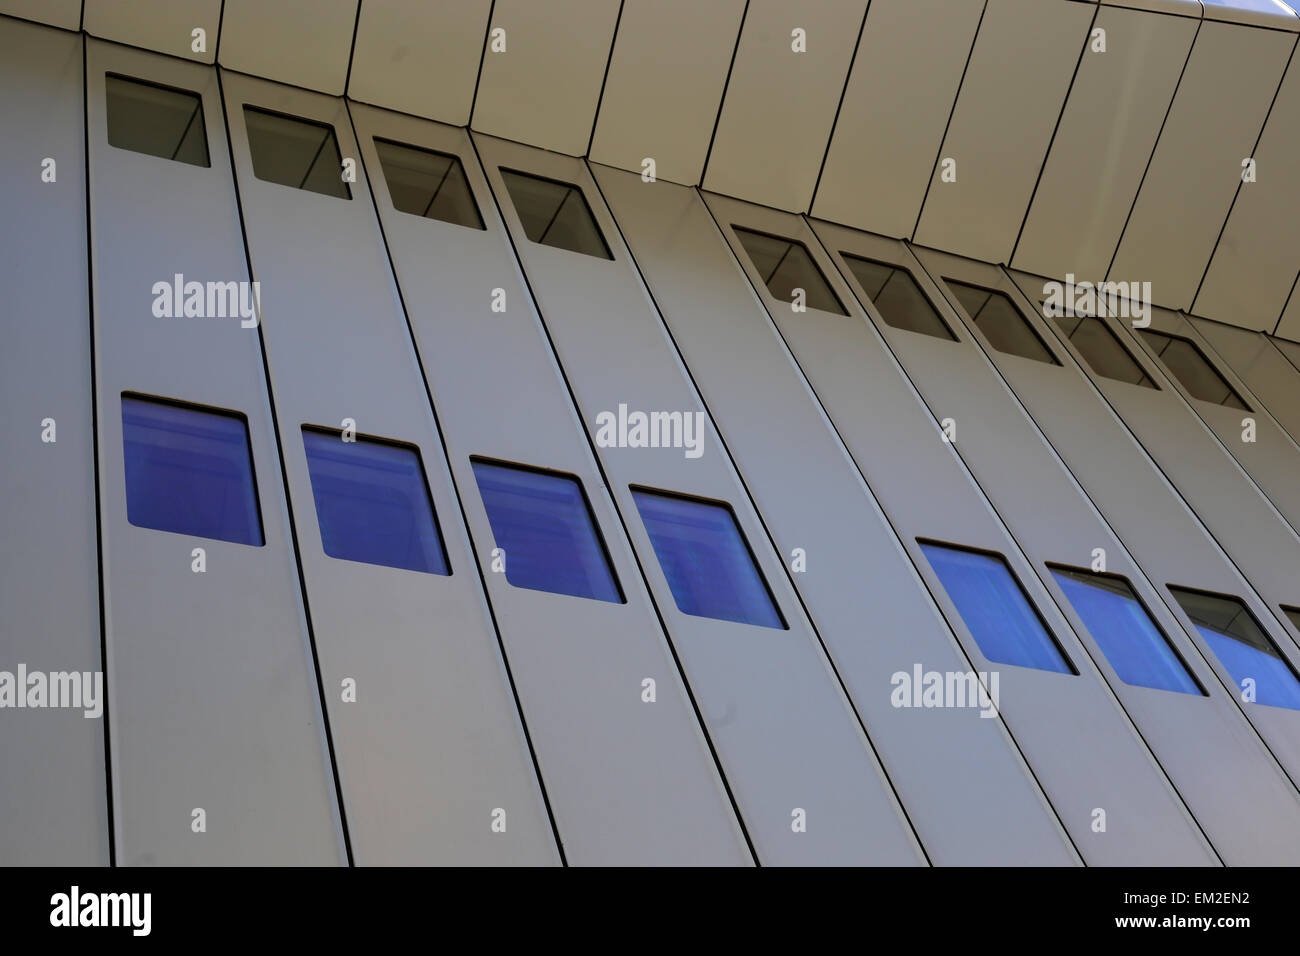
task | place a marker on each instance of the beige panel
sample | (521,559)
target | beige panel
(162,25)
(1289,325)
(1106,135)
(666,78)
(418,57)
(1260,13)
(1258,255)
(59,13)
(544,88)
(1185,8)
(1214,122)
(303,42)
(1018,77)
(780,105)
(899,97)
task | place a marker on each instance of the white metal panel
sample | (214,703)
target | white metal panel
(1018,76)
(628,784)
(860,582)
(1106,135)
(929,494)
(1215,119)
(1259,13)
(896,105)
(162,25)
(1053,521)
(419,57)
(58,13)
(544,88)
(211,679)
(780,105)
(1258,256)
(422,644)
(665,83)
(303,42)
(53,794)
(785,733)
(1259,360)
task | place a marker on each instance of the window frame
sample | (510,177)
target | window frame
(582,194)
(591,518)
(239,416)
(1205,359)
(377,140)
(1137,597)
(737,229)
(850,257)
(335,432)
(166,87)
(946,279)
(303,120)
(740,532)
(1071,669)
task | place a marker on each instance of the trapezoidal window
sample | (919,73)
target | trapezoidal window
(155,120)
(542,525)
(1102,349)
(895,294)
(295,152)
(427,183)
(704,556)
(372,502)
(1242,646)
(787,268)
(555,214)
(189,470)
(1187,363)
(1117,620)
(995,608)
(1006,329)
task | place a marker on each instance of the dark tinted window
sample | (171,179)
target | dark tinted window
(189,471)
(995,609)
(372,503)
(555,214)
(1246,652)
(1294,615)
(1001,322)
(429,184)
(785,265)
(1121,626)
(900,300)
(709,567)
(1102,349)
(543,524)
(156,120)
(1189,365)
(295,152)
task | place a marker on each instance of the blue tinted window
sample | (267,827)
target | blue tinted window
(543,524)
(372,503)
(189,471)
(1128,637)
(705,559)
(1242,646)
(995,609)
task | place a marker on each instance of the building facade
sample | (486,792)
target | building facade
(638,432)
